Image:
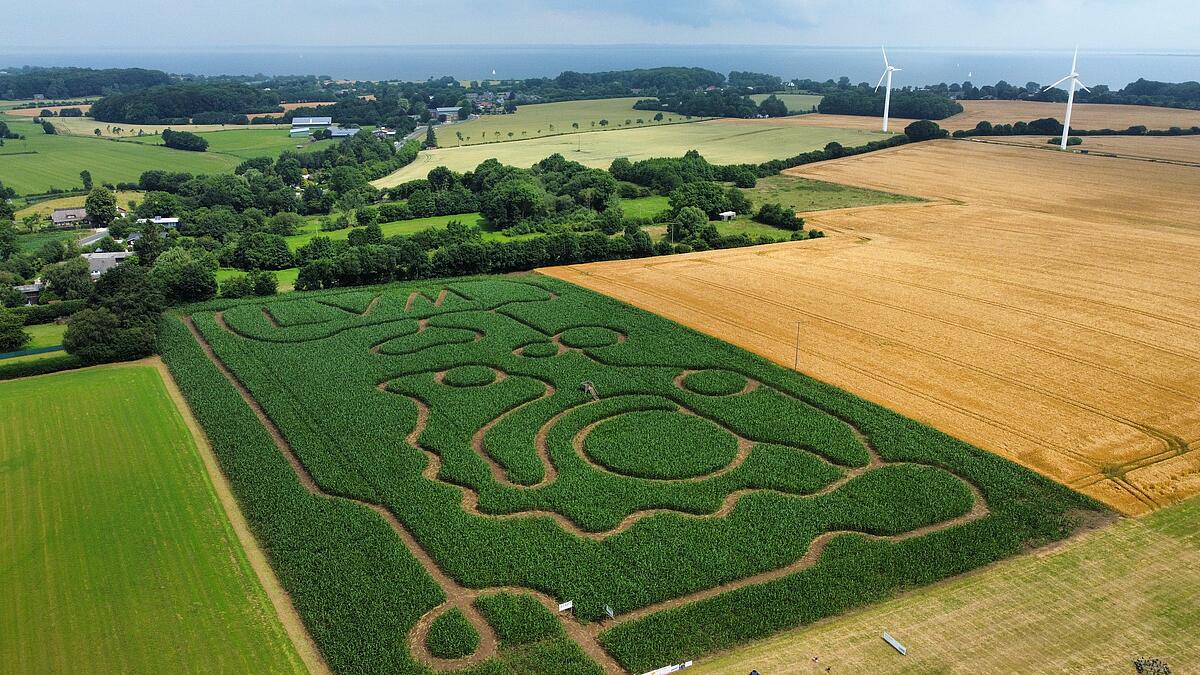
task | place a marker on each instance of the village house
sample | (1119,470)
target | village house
(99,263)
(76,217)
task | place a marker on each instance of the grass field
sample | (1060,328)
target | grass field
(286,278)
(40,335)
(86,126)
(31,242)
(471,462)
(1141,599)
(802,195)
(44,161)
(118,557)
(796,103)
(1041,305)
(544,119)
(720,141)
(248,143)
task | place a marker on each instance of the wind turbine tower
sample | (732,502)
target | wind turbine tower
(1071,80)
(887,96)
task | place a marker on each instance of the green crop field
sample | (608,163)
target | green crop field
(117,555)
(803,194)
(524,436)
(42,161)
(720,141)
(794,102)
(545,119)
(248,143)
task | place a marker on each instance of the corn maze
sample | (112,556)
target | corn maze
(433,468)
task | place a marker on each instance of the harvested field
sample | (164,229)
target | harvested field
(292,106)
(1042,306)
(1084,116)
(1140,599)
(1167,148)
(34,112)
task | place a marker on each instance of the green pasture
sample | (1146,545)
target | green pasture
(248,143)
(796,103)
(545,119)
(42,161)
(804,194)
(117,555)
(286,278)
(720,141)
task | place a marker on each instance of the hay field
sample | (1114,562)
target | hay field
(86,126)
(117,555)
(1042,306)
(1168,148)
(720,141)
(246,143)
(1026,615)
(545,119)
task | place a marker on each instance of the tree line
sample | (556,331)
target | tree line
(218,103)
(61,83)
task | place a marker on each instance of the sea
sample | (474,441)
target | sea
(471,62)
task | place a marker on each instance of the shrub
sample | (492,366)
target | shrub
(184,140)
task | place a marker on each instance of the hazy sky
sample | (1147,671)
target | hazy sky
(1023,24)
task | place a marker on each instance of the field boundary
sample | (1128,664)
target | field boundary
(305,646)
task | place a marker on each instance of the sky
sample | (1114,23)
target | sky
(1012,24)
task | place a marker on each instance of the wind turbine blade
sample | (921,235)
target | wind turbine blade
(1051,86)
(878,84)
(885,61)
(1082,85)
(1075,59)
(896,70)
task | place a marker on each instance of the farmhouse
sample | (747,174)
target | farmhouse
(99,263)
(75,217)
(69,217)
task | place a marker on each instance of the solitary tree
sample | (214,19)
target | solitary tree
(101,206)
(12,331)
(430,137)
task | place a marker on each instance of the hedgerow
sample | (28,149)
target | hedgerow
(451,636)
(50,364)
(808,471)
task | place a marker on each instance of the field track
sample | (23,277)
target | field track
(1042,306)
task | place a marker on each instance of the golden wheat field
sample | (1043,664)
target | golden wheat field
(1084,116)
(1167,148)
(1043,306)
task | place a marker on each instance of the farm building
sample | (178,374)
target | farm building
(446,114)
(338,132)
(99,263)
(303,126)
(30,292)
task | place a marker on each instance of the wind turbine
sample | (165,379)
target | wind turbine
(1074,80)
(887,97)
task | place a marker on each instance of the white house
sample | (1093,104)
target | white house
(168,223)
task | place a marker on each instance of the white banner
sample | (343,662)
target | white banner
(564,606)
(670,669)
